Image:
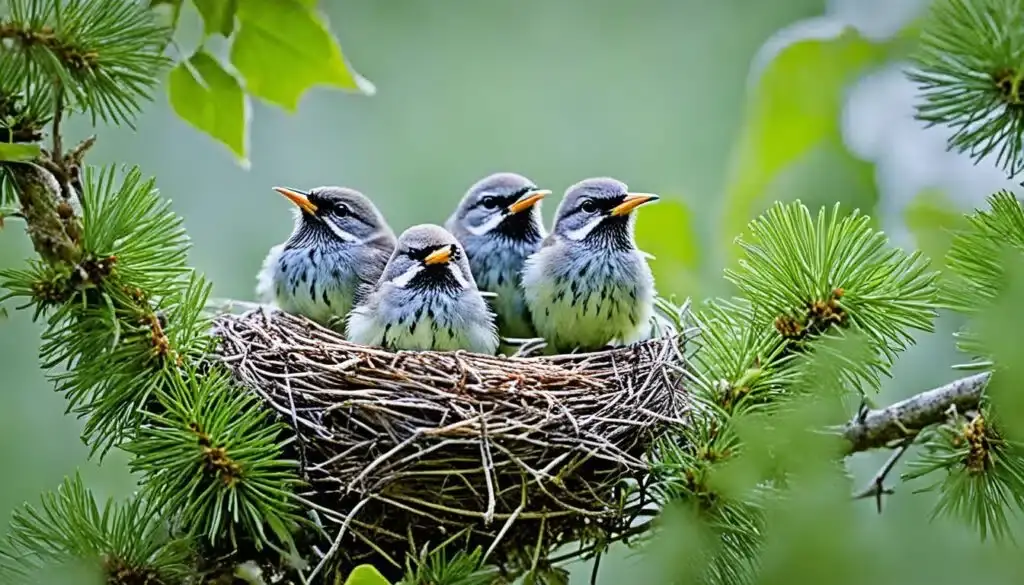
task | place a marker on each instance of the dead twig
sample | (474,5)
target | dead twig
(510,451)
(876,487)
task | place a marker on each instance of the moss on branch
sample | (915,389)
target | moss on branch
(50,221)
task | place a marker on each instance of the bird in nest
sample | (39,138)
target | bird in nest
(427,299)
(336,252)
(589,285)
(499,225)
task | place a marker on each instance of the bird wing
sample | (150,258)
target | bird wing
(369,271)
(265,292)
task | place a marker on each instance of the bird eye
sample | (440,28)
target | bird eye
(588,206)
(341,210)
(489,202)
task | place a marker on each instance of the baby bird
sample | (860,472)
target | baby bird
(589,286)
(426,299)
(499,225)
(338,249)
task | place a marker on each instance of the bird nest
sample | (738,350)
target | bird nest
(506,454)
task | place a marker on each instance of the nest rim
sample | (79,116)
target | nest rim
(567,432)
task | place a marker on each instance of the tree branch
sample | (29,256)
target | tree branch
(46,220)
(876,488)
(880,427)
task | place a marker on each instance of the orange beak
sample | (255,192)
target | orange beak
(529,200)
(632,201)
(439,256)
(298,198)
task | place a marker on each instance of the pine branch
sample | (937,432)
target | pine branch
(124,326)
(811,277)
(127,541)
(216,456)
(978,261)
(970,73)
(104,55)
(873,429)
(49,220)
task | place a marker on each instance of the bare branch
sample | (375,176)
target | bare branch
(876,488)
(881,427)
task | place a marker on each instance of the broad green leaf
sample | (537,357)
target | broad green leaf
(213,102)
(795,107)
(11,152)
(366,575)
(283,48)
(665,231)
(932,218)
(218,16)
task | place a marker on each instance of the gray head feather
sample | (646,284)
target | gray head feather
(428,256)
(599,211)
(487,209)
(340,215)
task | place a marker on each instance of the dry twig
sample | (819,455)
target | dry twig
(878,428)
(511,451)
(876,487)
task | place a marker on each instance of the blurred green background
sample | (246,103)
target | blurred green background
(722,107)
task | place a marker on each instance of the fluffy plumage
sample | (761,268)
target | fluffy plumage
(589,286)
(426,299)
(337,250)
(498,223)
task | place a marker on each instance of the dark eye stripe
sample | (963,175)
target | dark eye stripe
(506,200)
(602,203)
(330,208)
(421,253)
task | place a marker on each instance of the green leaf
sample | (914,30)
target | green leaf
(218,16)
(366,575)
(933,218)
(795,108)
(283,48)
(211,99)
(667,233)
(10,152)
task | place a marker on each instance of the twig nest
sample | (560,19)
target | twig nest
(413,448)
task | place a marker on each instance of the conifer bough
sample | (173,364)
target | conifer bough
(969,69)
(227,485)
